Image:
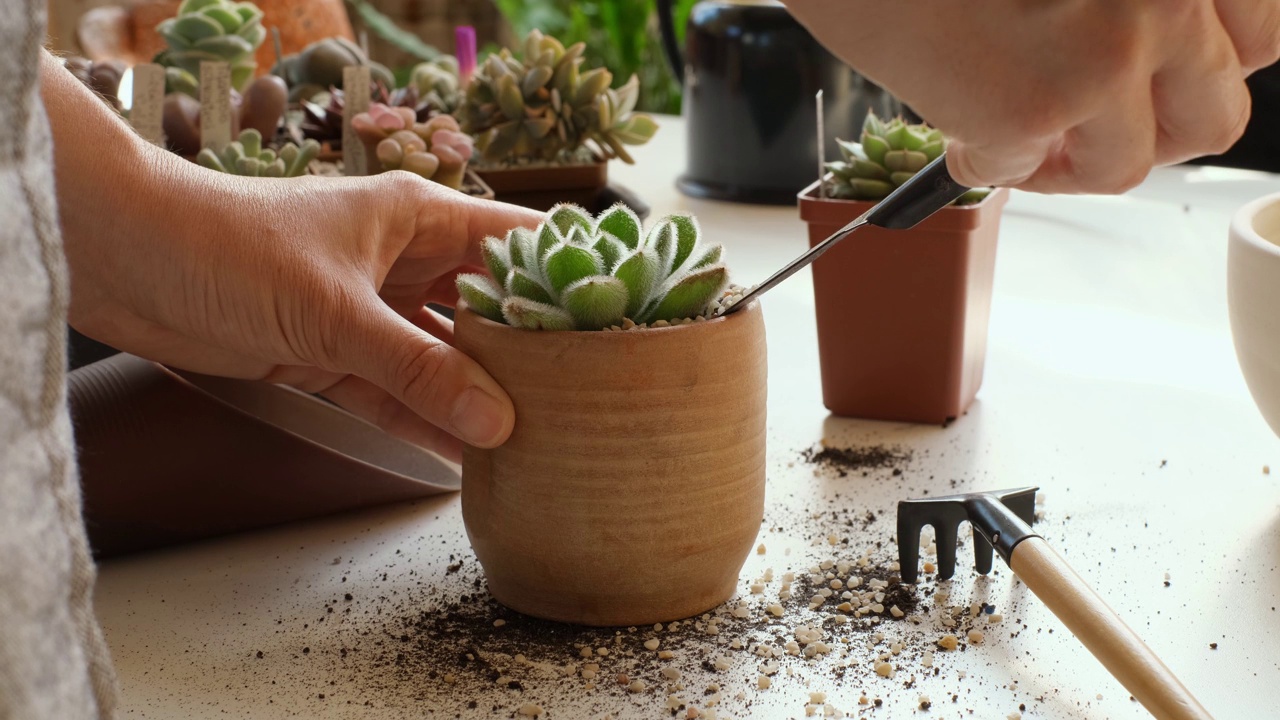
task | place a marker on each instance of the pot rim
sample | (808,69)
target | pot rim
(541,166)
(752,307)
(1243,225)
(809,194)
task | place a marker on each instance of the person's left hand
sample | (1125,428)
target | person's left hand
(318,283)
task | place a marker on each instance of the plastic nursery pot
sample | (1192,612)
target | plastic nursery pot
(632,488)
(902,314)
(540,187)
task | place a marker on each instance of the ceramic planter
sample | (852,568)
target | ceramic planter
(902,314)
(632,488)
(541,187)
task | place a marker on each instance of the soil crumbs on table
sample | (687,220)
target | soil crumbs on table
(836,617)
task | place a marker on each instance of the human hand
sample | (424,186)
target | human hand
(317,283)
(1061,97)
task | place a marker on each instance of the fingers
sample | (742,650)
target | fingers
(1254,28)
(1201,101)
(375,405)
(979,165)
(438,383)
(1108,154)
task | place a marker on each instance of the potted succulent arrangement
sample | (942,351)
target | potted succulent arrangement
(432,90)
(247,156)
(435,149)
(902,314)
(632,487)
(216,30)
(546,129)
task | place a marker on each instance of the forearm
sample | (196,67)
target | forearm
(113,188)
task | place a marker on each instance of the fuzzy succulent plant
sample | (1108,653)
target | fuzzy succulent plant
(435,150)
(889,153)
(578,273)
(213,30)
(542,106)
(247,156)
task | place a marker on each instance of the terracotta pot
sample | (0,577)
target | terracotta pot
(632,488)
(540,188)
(127,32)
(902,314)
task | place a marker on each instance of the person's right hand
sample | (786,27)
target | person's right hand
(1078,96)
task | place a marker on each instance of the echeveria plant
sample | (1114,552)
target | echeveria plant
(889,154)
(540,106)
(578,273)
(217,30)
(247,156)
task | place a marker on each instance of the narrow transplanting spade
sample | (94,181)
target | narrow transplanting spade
(927,192)
(1002,520)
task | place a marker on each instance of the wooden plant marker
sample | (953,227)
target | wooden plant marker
(355,91)
(146,113)
(215,105)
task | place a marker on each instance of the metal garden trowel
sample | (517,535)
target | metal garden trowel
(1002,520)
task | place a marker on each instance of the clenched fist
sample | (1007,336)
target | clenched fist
(1064,95)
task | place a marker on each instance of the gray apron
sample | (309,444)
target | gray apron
(53,661)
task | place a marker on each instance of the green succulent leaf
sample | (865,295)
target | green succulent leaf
(496,258)
(905,161)
(621,222)
(481,295)
(895,134)
(915,137)
(522,248)
(520,282)
(663,238)
(596,302)
(711,256)
(900,177)
(934,149)
(568,264)
(687,234)
(639,272)
(208,158)
(196,27)
(610,250)
(689,295)
(636,130)
(565,216)
(525,313)
(872,125)
(875,147)
(228,18)
(190,6)
(548,237)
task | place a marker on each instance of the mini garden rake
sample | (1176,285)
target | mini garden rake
(1001,521)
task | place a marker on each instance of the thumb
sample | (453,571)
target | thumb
(436,381)
(1007,165)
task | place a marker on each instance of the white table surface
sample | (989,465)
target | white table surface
(1110,382)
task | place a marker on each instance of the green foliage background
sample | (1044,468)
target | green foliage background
(621,35)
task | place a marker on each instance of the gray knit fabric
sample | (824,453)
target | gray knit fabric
(53,661)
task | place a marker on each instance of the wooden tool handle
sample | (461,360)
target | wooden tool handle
(1117,647)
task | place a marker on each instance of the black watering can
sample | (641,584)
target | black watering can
(750,72)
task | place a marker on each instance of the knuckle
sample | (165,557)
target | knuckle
(1231,128)
(422,370)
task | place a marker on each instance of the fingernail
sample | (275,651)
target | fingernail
(478,417)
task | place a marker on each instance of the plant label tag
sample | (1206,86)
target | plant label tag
(147,111)
(355,91)
(215,105)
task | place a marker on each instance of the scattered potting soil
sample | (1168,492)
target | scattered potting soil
(859,459)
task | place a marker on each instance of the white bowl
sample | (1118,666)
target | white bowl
(1253,295)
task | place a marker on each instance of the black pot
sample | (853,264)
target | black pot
(750,74)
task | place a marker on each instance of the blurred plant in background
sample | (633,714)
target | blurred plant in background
(621,35)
